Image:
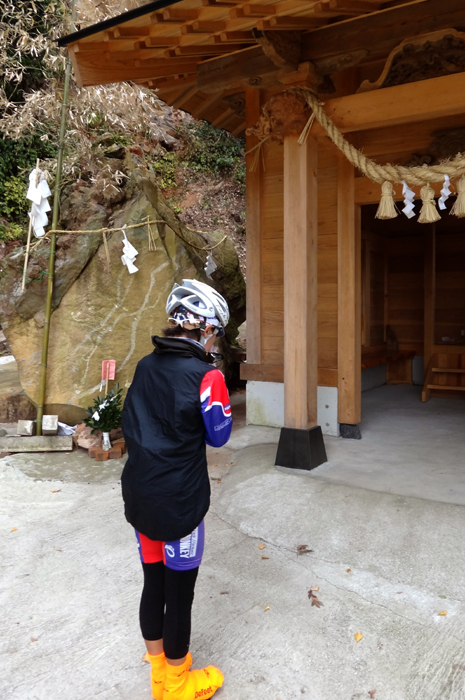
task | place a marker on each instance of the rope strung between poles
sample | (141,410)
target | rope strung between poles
(386,174)
(150,234)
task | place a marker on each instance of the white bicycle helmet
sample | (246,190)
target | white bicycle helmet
(201,300)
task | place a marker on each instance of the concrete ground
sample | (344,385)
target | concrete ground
(385,566)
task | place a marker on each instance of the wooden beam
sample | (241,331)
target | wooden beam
(205,105)
(124,32)
(183,99)
(249,10)
(234,70)
(203,26)
(275,373)
(236,37)
(221,118)
(171,14)
(402,104)
(300,283)
(161,41)
(380,32)
(349,311)
(345,7)
(253,196)
(430,293)
(289,22)
(174,83)
(203,50)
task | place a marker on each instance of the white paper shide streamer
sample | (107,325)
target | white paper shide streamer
(37,193)
(409,196)
(129,254)
(210,266)
(445,193)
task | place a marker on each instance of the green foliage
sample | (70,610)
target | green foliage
(17,159)
(11,232)
(108,409)
(164,168)
(211,149)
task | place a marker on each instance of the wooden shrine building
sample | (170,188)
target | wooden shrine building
(330,288)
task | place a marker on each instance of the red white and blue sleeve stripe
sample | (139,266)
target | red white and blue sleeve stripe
(216,409)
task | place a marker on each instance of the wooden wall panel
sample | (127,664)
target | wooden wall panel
(406,291)
(450,288)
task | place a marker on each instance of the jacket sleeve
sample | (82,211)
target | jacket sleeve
(216,409)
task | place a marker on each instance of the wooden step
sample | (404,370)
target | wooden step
(450,371)
(445,387)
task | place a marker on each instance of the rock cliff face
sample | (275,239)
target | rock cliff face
(100,311)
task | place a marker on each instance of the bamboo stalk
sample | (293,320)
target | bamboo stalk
(51,263)
(28,244)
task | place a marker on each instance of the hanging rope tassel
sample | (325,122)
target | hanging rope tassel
(429,214)
(306,130)
(387,207)
(459,207)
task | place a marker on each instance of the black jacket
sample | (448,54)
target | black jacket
(165,484)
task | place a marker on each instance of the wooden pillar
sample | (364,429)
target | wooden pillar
(300,283)
(430,293)
(254,237)
(301,443)
(349,296)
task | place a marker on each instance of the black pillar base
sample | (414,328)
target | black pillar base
(301,449)
(351,432)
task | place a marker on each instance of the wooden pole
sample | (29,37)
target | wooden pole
(51,263)
(300,283)
(349,296)
(254,237)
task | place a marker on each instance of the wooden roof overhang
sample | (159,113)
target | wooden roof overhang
(201,55)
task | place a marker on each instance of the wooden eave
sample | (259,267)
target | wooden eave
(200,55)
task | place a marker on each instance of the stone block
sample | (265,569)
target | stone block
(25,427)
(116,451)
(37,443)
(49,425)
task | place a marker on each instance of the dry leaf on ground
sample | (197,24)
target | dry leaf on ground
(443,613)
(267,608)
(358,636)
(303,549)
(33,639)
(315,601)
(55,490)
(371,693)
(261,546)
(265,557)
(348,570)
(13,529)
(315,588)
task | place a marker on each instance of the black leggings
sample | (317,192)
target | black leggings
(165,607)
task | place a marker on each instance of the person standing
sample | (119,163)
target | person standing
(177,403)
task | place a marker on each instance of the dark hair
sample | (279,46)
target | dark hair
(178,331)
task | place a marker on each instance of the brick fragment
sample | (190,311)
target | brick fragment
(101,455)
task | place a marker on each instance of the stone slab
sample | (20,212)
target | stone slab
(37,443)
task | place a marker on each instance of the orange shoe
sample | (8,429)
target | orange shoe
(158,673)
(182,684)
